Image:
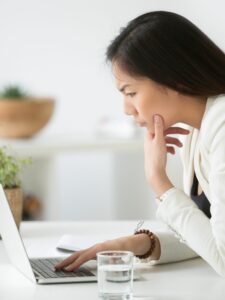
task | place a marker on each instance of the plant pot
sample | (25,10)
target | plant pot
(15,200)
(24,117)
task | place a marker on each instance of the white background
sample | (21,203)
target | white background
(57,48)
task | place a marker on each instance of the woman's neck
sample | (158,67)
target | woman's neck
(192,110)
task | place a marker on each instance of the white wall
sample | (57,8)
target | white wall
(57,47)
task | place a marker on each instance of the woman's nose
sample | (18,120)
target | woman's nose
(129,109)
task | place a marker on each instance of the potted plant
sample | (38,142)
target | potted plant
(10,169)
(22,115)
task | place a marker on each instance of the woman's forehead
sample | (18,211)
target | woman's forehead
(119,74)
(122,77)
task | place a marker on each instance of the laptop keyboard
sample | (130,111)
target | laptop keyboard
(45,267)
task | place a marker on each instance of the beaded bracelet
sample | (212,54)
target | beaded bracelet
(152,240)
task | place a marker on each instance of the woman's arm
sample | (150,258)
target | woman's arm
(168,249)
(138,244)
(206,237)
(178,211)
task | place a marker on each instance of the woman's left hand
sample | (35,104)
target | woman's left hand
(155,149)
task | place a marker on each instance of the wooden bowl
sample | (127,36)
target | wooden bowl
(24,118)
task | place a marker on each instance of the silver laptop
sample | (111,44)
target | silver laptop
(38,270)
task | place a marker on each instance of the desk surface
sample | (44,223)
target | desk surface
(192,279)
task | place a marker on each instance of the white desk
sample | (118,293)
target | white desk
(192,279)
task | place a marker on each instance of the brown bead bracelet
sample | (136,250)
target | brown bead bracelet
(152,240)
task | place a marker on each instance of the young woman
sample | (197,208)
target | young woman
(170,72)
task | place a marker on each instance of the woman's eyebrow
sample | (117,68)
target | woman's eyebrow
(123,87)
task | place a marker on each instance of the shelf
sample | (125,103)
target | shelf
(44,146)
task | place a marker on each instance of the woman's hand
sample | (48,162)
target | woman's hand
(155,148)
(172,140)
(138,244)
(78,258)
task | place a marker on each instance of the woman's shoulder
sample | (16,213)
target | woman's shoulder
(213,123)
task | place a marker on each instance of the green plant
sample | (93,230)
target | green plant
(10,168)
(13,92)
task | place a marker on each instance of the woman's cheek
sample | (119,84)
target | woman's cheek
(150,127)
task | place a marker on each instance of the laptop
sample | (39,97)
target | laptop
(38,270)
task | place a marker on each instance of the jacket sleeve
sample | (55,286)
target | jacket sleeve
(173,248)
(204,236)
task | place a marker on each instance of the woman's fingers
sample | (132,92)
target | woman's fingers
(174,141)
(75,260)
(68,260)
(176,130)
(84,257)
(170,150)
(159,128)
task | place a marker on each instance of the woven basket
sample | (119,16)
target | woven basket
(15,200)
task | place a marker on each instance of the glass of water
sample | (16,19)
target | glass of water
(115,274)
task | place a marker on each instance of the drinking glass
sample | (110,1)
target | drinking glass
(115,274)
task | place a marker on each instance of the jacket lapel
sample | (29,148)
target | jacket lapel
(188,161)
(198,171)
(192,158)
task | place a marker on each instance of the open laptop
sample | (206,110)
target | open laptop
(38,270)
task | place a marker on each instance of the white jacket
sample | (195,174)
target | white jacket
(190,232)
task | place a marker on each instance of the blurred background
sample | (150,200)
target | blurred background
(88,158)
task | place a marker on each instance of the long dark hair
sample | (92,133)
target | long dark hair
(171,51)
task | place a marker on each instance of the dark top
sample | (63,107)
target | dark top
(201,200)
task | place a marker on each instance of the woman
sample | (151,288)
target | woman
(169,72)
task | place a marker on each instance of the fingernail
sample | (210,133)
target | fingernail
(156,119)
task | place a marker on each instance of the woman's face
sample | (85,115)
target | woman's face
(143,98)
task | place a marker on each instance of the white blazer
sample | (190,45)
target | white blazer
(190,232)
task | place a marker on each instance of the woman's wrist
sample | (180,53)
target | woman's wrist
(157,251)
(139,244)
(160,184)
(143,244)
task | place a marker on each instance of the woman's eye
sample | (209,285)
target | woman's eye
(131,94)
